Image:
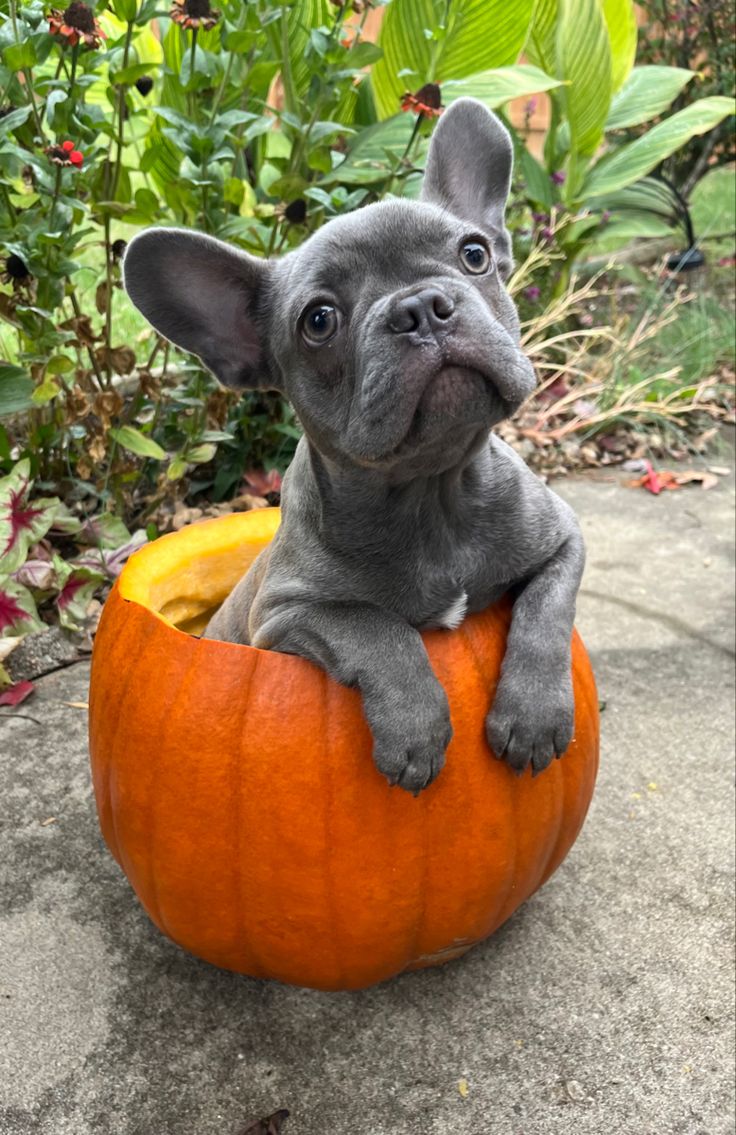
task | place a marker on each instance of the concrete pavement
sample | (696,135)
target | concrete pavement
(605,1006)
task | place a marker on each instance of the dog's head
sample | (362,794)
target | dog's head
(390,329)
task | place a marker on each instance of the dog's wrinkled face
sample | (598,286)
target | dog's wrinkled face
(390,329)
(394,336)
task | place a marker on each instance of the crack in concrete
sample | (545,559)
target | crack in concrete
(671,621)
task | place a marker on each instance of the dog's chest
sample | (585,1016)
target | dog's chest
(453,615)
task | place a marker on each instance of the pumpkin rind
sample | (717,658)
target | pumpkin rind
(236,788)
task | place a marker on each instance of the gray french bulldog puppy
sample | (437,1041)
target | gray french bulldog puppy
(391,332)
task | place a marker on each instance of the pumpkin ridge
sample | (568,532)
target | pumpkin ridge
(560,799)
(328,827)
(582,683)
(496,917)
(100,696)
(135,629)
(238,859)
(500,913)
(426,915)
(167,716)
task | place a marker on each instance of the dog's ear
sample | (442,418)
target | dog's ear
(469,172)
(204,296)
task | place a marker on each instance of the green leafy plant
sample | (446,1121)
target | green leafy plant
(255,123)
(697,35)
(587,172)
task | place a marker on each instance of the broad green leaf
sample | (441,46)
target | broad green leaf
(303,18)
(53,102)
(405,49)
(620,20)
(648,195)
(126,10)
(128,75)
(631,162)
(647,92)
(14,119)
(46,391)
(136,442)
(495,88)
(16,388)
(541,46)
(366,160)
(59,364)
(19,56)
(480,35)
(620,230)
(584,61)
(176,469)
(201,454)
(538,185)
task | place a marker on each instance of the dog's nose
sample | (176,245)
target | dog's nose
(424,313)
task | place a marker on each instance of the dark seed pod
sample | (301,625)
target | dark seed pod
(296,211)
(16,268)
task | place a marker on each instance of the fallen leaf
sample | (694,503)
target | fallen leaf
(17,693)
(655,480)
(271,1125)
(462,1087)
(697,476)
(49,820)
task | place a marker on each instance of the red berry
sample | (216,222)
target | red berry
(76,158)
(67,146)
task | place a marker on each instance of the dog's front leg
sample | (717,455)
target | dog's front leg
(532,716)
(375,650)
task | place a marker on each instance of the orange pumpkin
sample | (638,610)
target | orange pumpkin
(235,786)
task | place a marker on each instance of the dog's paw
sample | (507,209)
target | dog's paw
(531,722)
(409,747)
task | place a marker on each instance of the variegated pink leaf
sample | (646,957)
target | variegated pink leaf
(18,614)
(112,560)
(22,522)
(38,574)
(74,597)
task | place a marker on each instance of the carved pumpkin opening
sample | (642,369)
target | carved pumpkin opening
(184,577)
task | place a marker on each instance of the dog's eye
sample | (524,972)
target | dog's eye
(319,323)
(475,257)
